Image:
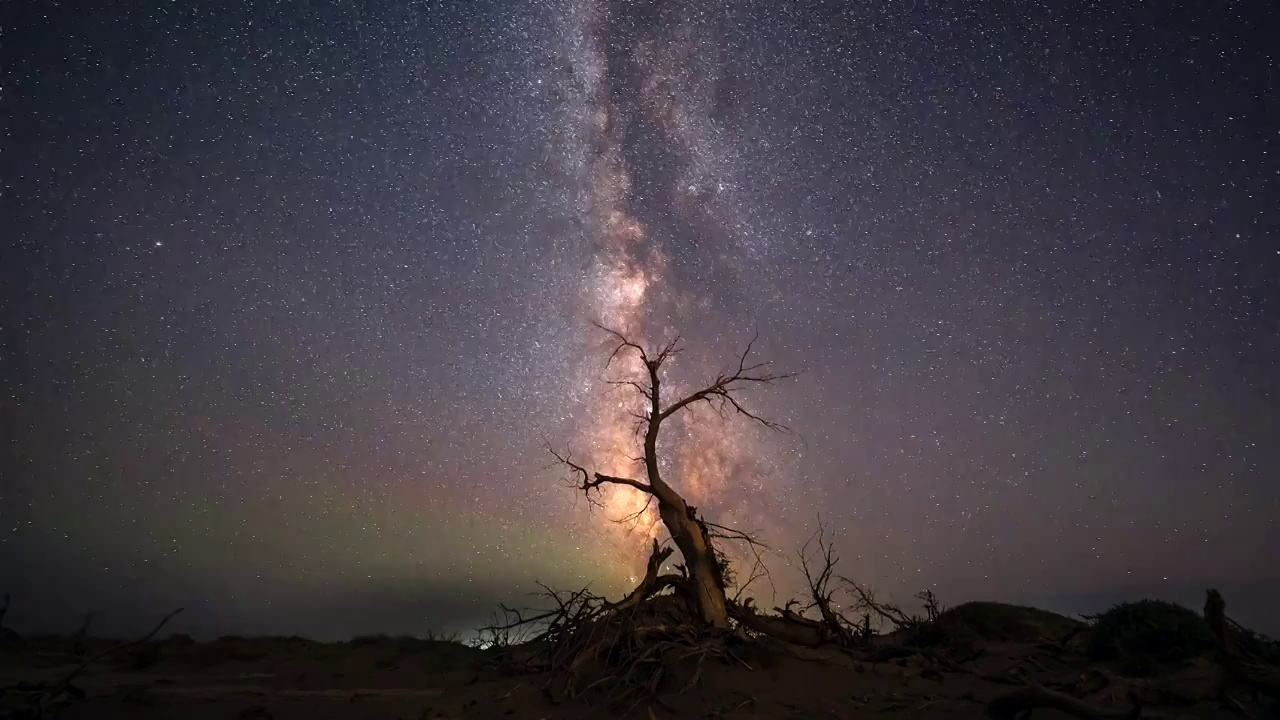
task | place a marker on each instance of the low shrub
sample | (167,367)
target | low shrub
(1000,621)
(1149,635)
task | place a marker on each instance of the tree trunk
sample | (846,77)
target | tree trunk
(705,583)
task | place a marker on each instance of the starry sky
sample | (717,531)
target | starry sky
(294,296)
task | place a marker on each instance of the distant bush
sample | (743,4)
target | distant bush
(408,643)
(434,653)
(999,621)
(1149,635)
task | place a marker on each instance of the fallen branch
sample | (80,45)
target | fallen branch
(62,684)
(1011,706)
(787,626)
(1236,706)
(865,601)
(40,700)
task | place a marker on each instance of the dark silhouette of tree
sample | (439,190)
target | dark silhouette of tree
(702,578)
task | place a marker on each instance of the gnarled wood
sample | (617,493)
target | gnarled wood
(704,582)
(1259,676)
(786,626)
(652,583)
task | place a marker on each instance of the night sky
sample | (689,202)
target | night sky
(294,294)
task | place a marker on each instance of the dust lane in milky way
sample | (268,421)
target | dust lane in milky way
(648,75)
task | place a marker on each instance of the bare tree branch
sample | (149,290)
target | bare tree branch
(652,583)
(637,386)
(588,481)
(114,649)
(759,570)
(720,393)
(634,517)
(865,601)
(834,625)
(720,532)
(40,700)
(668,351)
(624,343)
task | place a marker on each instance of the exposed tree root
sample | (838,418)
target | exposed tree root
(621,653)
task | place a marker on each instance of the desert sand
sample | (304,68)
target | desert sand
(980,660)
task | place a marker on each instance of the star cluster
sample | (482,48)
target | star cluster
(296,295)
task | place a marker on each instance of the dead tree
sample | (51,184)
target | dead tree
(796,623)
(8,637)
(835,626)
(790,622)
(703,578)
(932,608)
(1242,666)
(864,601)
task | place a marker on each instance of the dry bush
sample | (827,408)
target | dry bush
(1149,636)
(1000,621)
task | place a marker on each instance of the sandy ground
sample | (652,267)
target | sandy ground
(395,678)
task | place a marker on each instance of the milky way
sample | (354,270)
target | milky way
(651,181)
(293,299)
